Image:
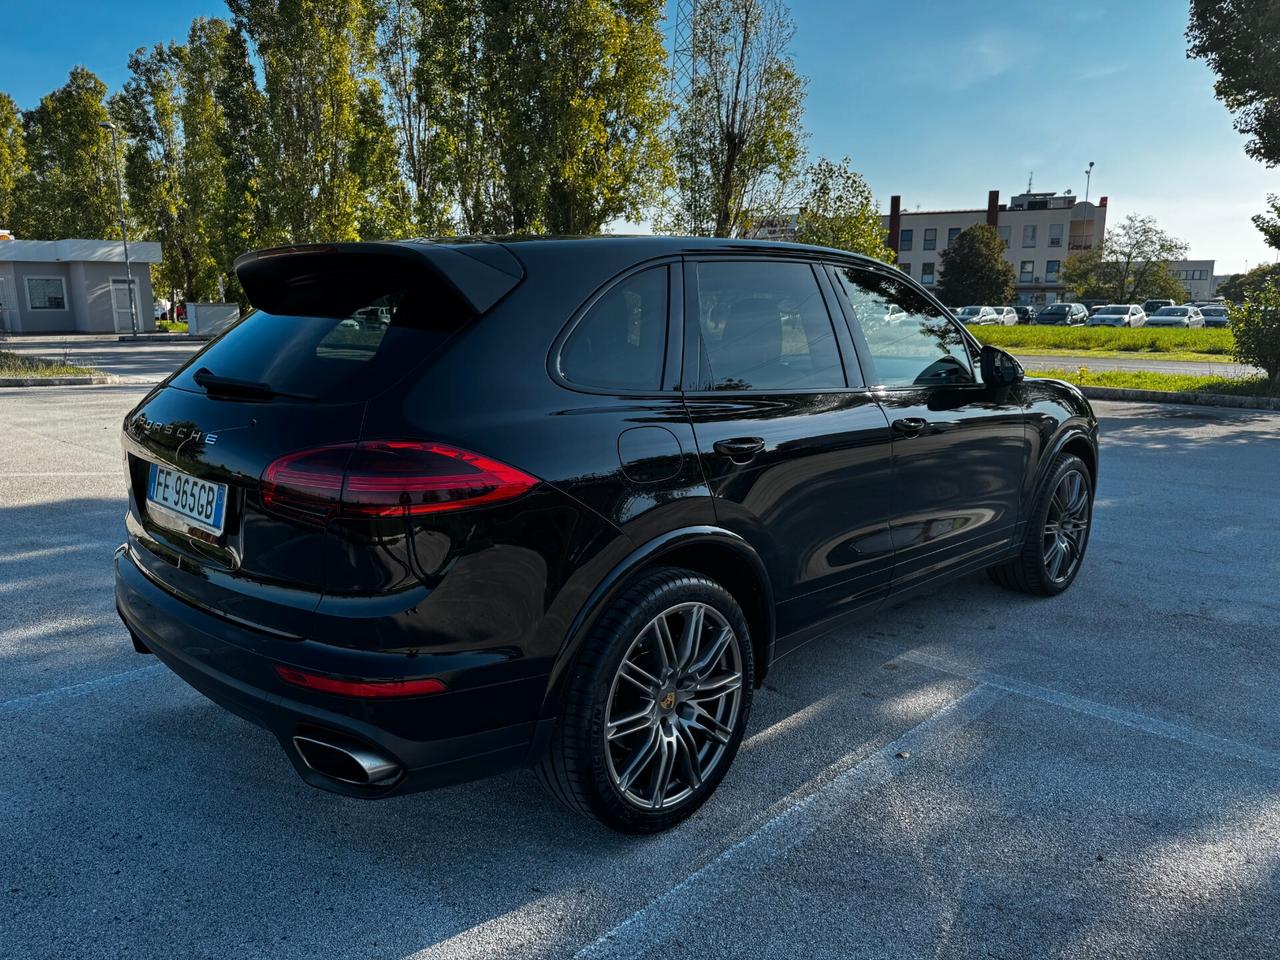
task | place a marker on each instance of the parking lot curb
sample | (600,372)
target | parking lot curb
(1169,396)
(54,381)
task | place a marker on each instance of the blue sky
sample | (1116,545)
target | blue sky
(935,100)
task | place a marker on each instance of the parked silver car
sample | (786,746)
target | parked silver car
(982,316)
(1176,317)
(1215,315)
(1119,315)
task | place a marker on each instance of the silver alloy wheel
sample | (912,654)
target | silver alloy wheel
(673,706)
(1066,528)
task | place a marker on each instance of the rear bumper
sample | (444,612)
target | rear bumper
(462,734)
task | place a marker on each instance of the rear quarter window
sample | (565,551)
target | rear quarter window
(620,343)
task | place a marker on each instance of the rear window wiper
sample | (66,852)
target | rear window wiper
(247,389)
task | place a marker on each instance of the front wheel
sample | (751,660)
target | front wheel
(1057,533)
(657,704)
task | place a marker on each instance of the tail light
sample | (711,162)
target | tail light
(387,478)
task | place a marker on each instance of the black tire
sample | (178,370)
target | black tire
(578,768)
(1031,571)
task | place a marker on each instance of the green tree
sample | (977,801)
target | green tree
(313,56)
(1239,286)
(738,141)
(13,157)
(838,210)
(1130,265)
(603,107)
(240,141)
(1269,223)
(974,269)
(386,209)
(1240,40)
(404,28)
(69,187)
(549,115)
(148,113)
(201,66)
(1255,326)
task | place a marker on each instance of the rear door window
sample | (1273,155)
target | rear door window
(765,326)
(621,341)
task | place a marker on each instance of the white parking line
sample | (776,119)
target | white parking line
(638,935)
(1138,721)
(19,704)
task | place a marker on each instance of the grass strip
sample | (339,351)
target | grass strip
(1216,343)
(1169,382)
(21,365)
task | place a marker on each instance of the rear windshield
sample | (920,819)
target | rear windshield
(1055,308)
(379,337)
(1110,310)
(1172,312)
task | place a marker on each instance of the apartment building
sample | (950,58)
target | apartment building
(1039,230)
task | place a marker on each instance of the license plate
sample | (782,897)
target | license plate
(198,502)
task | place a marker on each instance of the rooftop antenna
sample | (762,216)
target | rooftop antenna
(1029,176)
(1088,176)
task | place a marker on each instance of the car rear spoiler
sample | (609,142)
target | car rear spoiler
(278,280)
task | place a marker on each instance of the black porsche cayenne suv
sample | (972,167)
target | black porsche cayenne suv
(437,509)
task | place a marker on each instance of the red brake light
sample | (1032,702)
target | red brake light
(360,688)
(387,478)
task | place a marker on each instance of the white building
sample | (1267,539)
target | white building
(1198,277)
(80,286)
(1040,230)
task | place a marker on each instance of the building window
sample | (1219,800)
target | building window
(952,233)
(1004,235)
(1055,234)
(1029,235)
(905,268)
(1027,272)
(1051,270)
(46,293)
(926,273)
(931,238)
(904,239)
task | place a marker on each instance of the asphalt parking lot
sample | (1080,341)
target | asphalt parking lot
(974,774)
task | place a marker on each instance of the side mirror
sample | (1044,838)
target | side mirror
(999,369)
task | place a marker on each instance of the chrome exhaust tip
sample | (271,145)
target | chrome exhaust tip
(346,762)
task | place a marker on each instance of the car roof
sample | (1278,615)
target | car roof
(481,270)
(647,245)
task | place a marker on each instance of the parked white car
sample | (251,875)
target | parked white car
(1118,315)
(1176,317)
(975,316)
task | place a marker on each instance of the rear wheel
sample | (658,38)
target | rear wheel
(657,705)
(1057,533)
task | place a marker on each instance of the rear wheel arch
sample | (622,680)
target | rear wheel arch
(711,551)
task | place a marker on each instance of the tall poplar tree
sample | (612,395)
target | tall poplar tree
(739,141)
(13,157)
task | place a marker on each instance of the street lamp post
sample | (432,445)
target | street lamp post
(1088,180)
(124,233)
